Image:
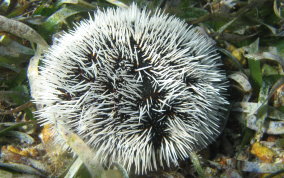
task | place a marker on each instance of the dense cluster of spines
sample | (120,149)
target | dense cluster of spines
(143,89)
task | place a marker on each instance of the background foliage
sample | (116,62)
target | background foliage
(250,38)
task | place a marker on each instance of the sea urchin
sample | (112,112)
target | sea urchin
(141,88)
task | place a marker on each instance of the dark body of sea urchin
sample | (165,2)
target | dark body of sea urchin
(143,89)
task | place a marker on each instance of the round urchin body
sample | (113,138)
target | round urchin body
(142,88)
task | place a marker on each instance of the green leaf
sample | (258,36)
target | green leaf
(20,94)
(247,136)
(18,79)
(220,30)
(30,114)
(275,113)
(8,66)
(280,47)
(117,3)
(253,47)
(21,168)
(278,10)
(19,11)
(54,22)
(13,54)
(21,136)
(77,170)
(255,73)
(77,2)
(14,126)
(192,13)
(264,90)
(45,9)
(269,70)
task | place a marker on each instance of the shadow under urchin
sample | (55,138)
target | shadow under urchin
(141,88)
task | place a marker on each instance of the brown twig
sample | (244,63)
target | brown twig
(17,109)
